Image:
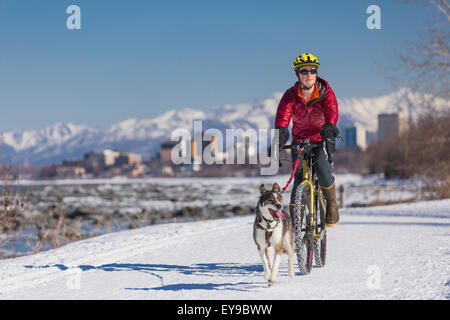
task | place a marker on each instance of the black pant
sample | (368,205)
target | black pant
(321,167)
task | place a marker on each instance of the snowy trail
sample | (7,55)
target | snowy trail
(369,256)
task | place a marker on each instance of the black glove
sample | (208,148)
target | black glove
(329,133)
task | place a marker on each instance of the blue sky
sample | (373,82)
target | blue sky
(140,58)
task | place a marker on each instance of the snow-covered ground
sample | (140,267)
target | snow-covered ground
(392,252)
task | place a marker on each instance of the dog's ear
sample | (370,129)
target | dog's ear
(262,189)
(276,188)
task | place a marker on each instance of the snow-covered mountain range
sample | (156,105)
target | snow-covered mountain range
(70,141)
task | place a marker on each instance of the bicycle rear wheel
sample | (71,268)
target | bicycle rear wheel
(303,234)
(320,245)
(320,250)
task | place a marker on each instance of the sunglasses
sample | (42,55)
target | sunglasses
(305,72)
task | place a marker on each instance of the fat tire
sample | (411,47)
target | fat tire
(320,251)
(320,245)
(305,251)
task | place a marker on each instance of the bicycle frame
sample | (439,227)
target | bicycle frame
(308,179)
(314,192)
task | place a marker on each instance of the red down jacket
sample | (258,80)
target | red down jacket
(307,119)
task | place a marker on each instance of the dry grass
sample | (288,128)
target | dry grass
(57,230)
(436,189)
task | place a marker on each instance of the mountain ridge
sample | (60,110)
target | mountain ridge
(68,140)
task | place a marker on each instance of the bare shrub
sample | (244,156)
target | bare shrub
(57,231)
(423,151)
(428,59)
(11,205)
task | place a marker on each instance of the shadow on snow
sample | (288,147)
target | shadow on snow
(201,269)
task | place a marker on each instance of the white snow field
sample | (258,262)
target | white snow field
(391,252)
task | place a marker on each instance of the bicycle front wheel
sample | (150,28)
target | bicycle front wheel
(304,241)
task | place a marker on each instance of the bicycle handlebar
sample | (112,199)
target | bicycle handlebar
(307,147)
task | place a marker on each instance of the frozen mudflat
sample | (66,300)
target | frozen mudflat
(85,208)
(392,252)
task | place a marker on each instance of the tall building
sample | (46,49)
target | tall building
(110,156)
(94,161)
(391,125)
(127,158)
(165,152)
(355,137)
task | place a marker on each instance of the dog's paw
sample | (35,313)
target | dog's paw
(271,283)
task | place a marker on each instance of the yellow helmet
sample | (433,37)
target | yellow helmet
(305,59)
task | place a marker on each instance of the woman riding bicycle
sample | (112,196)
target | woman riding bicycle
(313,108)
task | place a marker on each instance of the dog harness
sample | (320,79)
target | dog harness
(268,222)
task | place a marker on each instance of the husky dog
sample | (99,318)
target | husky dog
(273,230)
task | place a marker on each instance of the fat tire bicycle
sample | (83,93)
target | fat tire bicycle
(309,210)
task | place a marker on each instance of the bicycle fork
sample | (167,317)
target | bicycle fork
(314,209)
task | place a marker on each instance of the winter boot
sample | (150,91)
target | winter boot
(332,216)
